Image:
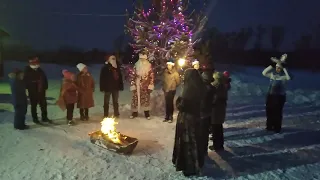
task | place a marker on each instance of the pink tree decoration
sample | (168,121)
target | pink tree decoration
(165,29)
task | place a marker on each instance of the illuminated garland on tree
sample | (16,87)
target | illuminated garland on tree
(164,31)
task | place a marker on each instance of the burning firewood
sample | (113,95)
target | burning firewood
(110,139)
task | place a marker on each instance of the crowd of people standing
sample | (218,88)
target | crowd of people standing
(202,103)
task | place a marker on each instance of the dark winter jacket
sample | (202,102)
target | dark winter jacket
(219,101)
(206,104)
(110,79)
(192,93)
(35,79)
(18,91)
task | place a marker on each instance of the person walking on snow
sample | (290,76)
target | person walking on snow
(68,95)
(111,83)
(171,80)
(276,96)
(19,99)
(37,84)
(141,85)
(86,85)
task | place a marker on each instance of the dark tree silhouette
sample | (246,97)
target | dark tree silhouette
(239,40)
(260,32)
(3,34)
(118,45)
(303,43)
(277,36)
(218,40)
(202,53)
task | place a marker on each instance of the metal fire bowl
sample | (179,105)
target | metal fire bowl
(98,138)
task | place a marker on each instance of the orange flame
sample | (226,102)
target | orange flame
(108,128)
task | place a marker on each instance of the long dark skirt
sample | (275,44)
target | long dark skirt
(186,151)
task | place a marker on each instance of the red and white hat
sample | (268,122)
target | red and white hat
(34,61)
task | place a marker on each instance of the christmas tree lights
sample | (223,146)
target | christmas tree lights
(165,30)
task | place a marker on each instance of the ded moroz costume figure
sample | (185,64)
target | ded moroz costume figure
(276,96)
(141,85)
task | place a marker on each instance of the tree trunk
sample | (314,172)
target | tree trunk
(1,61)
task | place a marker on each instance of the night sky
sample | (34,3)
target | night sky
(36,23)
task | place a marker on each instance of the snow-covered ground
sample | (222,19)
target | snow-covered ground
(58,151)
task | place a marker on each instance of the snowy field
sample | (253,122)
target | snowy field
(54,152)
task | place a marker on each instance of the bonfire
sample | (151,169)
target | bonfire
(107,137)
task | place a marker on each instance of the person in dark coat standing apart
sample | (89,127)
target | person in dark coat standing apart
(19,99)
(37,84)
(276,96)
(186,155)
(111,83)
(170,81)
(219,106)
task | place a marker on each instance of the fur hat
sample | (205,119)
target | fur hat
(170,61)
(195,62)
(81,66)
(67,74)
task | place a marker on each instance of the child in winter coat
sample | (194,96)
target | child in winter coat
(19,99)
(219,106)
(205,113)
(68,95)
(86,86)
(227,78)
(276,96)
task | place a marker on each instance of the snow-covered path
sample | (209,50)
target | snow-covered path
(62,152)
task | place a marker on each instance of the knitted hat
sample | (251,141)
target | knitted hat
(226,74)
(81,66)
(195,62)
(170,61)
(67,74)
(217,75)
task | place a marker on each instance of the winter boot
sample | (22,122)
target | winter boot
(134,115)
(36,121)
(45,119)
(166,119)
(70,122)
(170,120)
(147,115)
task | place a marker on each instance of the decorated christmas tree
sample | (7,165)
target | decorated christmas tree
(166,30)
